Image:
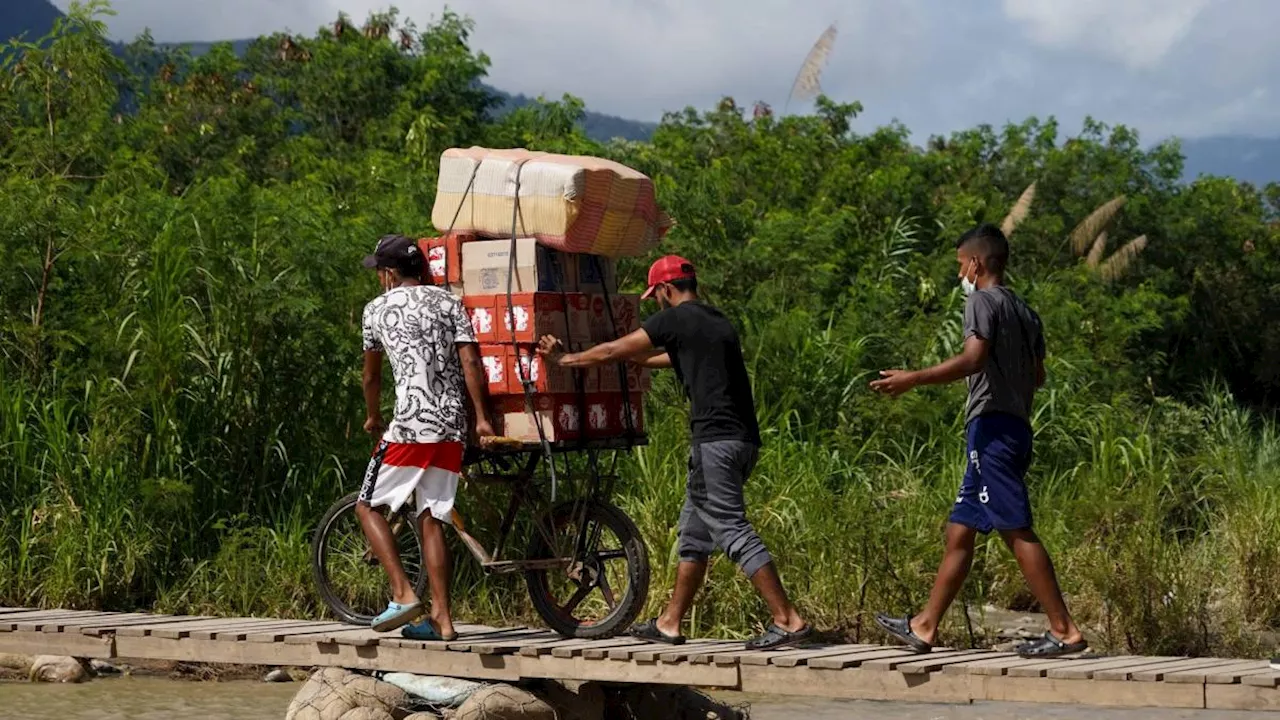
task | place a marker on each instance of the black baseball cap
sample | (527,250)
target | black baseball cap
(393,251)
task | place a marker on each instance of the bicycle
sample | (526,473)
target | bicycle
(576,547)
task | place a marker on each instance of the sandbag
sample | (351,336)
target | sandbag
(577,204)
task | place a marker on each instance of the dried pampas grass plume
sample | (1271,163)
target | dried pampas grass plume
(1087,231)
(1019,211)
(1114,267)
(1095,252)
(808,83)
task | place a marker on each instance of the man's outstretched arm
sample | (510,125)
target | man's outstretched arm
(635,347)
(970,360)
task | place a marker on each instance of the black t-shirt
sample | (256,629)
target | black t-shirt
(707,357)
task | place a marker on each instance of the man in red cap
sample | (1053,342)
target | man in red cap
(702,346)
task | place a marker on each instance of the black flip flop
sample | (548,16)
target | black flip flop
(648,630)
(776,637)
(900,628)
(1048,647)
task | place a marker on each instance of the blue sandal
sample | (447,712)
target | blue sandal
(395,616)
(424,630)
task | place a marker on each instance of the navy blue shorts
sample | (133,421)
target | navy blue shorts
(993,495)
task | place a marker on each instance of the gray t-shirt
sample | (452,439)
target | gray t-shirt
(1015,342)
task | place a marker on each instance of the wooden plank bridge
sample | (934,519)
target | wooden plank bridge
(867,672)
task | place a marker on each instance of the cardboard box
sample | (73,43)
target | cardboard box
(635,404)
(595,274)
(638,378)
(486,268)
(495,362)
(484,319)
(559,414)
(546,377)
(529,316)
(623,320)
(443,255)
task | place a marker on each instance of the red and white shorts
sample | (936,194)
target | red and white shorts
(428,471)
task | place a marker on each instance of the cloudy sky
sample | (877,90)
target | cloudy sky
(1167,67)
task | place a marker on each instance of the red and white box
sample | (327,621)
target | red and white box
(634,404)
(443,258)
(559,415)
(496,363)
(605,324)
(638,378)
(483,317)
(546,377)
(529,316)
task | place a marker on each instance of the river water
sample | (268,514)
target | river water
(149,698)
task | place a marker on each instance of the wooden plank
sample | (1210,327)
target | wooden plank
(372,657)
(1158,674)
(76,626)
(854,684)
(853,660)
(11,611)
(1084,670)
(802,657)
(238,634)
(1270,679)
(55,625)
(682,653)
(568,651)
(545,648)
(9,623)
(175,631)
(96,628)
(892,663)
(934,664)
(1107,693)
(990,667)
(757,657)
(602,652)
(353,636)
(72,645)
(1226,673)
(506,645)
(1128,673)
(465,643)
(651,652)
(1034,668)
(656,673)
(1241,697)
(270,635)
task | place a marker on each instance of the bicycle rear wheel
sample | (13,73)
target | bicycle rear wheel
(604,586)
(349,578)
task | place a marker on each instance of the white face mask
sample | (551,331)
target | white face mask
(967,285)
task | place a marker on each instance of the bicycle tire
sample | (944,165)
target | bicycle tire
(332,595)
(637,558)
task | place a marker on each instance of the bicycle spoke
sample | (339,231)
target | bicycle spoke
(607,591)
(577,599)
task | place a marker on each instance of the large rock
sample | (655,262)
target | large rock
(505,702)
(320,699)
(333,693)
(57,669)
(654,702)
(21,663)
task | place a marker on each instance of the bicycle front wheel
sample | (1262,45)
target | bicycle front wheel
(349,578)
(603,584)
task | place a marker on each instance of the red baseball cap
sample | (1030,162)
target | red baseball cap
(666,269)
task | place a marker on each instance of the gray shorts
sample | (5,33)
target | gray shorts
(715,513)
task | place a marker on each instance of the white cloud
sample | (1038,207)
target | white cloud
(1163,66)
(1138,33)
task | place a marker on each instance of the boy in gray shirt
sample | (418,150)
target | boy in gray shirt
(1003,364)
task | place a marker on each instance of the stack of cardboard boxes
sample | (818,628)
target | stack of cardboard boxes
(573,297)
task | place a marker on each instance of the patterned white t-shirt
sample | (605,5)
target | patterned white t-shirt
(419,328)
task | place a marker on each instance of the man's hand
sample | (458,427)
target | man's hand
(374,425)
(895,382)
(484,429)
(550,347)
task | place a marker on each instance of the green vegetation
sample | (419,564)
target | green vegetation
(180,290)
